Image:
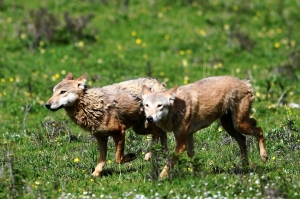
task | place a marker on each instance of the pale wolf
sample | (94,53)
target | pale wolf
(107,111)
(189,108)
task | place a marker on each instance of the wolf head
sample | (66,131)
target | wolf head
(157,104)
(66,92)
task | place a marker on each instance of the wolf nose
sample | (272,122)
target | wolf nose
(149,119)
(47,106)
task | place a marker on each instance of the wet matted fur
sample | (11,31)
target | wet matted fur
(107,111)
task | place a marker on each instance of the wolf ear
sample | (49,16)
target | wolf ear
(146,90)
(69,76)
(81,81)
(172,94)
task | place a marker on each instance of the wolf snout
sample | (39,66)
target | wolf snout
(48,106)
(149,119)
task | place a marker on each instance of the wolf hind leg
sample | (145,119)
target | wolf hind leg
(227,124)
(119,139)
(246,125)
(190,145)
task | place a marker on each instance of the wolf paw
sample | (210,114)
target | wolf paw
(148,156)
(264,157)
(164,173)
(128,157)
(96,174)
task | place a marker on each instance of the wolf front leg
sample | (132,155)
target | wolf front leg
(157,134)
(119,139)
(181,144)
(102,146)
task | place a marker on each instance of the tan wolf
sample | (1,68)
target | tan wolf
(107,111)
(192,107)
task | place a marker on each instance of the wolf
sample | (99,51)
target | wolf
(107,111)
(187,109)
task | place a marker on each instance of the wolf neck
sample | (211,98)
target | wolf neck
(88,110)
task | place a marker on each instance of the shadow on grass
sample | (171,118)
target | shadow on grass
(240,170)
(116,171)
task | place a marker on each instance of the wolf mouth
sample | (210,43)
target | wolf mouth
(48,106)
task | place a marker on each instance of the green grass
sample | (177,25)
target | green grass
(177,42)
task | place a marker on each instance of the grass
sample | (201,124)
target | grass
(45,155)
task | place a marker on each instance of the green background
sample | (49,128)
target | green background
(44,155)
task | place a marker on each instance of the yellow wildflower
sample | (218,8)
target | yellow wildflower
(138,41)
(9,20)
(184,63)
(202,32)
(133,33)
(145,56)
(278,30)
(189,51)
(226,27)
(42,50)
(23,36)
(80,44)
(160,15)
(186,80)
(41,43)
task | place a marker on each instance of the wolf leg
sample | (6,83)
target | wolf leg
(119,139)
(181,144)
(190,145)
(246,125)
(102,146)
(158,134)
(226,122)
(143,128)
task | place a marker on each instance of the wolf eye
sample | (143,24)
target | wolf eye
(62,92)
(159,105)
(146,105)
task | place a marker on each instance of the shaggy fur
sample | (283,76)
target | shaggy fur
(189,108)
(107,111)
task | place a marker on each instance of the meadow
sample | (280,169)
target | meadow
(44,155)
